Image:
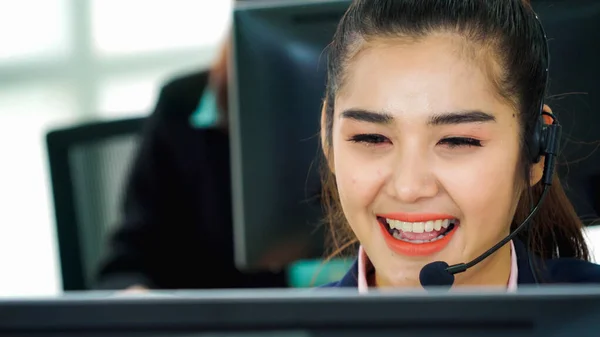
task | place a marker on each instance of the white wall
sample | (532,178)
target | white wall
(63,61)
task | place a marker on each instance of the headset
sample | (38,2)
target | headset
(544,143)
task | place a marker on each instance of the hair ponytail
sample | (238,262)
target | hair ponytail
(556,230)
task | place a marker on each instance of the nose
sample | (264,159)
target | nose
(413,177)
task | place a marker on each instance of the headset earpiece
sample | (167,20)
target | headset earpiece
(546,137)
(549,141)
(536,145)
(539,142)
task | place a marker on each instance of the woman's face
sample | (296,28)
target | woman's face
(425,155)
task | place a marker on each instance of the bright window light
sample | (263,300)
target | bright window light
(134,26)
(28,252)
(33,28)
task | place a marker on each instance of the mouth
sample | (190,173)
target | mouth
(418,235)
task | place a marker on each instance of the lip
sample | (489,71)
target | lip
(416,217)
(415,249)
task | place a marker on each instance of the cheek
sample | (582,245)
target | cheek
(359,181)
(484,190)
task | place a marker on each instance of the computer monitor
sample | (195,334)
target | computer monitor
(543,312)
(279,74)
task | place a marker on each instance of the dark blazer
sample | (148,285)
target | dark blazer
(557,271)
(177,223)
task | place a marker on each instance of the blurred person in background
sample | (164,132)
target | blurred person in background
(177,227)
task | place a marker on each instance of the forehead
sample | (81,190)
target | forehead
(432,75)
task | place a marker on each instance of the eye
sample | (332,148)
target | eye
(454,142)
(369,139)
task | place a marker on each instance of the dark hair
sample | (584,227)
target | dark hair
(506,29)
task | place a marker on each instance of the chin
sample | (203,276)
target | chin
(399,275)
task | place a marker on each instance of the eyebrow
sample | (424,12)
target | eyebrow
(461,117)
(368,116)
(446,118)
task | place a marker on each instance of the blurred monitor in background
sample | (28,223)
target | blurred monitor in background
(279,82)
(176,230)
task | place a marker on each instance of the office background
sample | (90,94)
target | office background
(66,61)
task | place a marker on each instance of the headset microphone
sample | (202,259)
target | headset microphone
(544,142)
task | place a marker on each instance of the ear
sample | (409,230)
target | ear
(324,128)
(537,169)
(325,146)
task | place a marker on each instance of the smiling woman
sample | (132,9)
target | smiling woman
(429,128)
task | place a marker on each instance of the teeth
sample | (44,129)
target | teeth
(419,227)
(429,226)
(397,235)
(405,226)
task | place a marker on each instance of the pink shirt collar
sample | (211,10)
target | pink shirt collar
(363,263)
